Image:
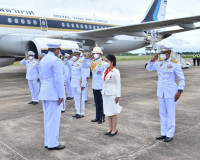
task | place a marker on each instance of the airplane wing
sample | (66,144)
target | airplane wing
(186,23)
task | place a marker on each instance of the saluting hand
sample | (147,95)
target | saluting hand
(26,57)
(88,55)
(155,57)
(60,101)
(69,57)
(177,96)
(116,100)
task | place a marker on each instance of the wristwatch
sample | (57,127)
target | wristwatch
(180,90)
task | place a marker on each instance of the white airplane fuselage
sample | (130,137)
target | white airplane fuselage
(21,28)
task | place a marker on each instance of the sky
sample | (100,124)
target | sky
(130,10)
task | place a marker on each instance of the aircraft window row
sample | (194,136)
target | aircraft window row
(86,26)
(22,21)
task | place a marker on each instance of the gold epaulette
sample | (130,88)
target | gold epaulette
(160,60)
(175,61)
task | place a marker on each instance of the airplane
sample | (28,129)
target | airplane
(27,30)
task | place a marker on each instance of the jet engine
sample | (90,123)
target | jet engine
(39,45)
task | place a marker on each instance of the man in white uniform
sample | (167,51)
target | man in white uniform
(81,59)
(52,95)
(168,92)
(32,75)
(78,83)
(68,78)
(97,68)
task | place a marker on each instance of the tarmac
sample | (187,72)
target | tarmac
(22,131)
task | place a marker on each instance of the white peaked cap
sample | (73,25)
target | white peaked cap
(31,53)
(54,45)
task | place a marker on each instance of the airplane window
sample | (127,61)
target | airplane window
(77,26)
(29,21)
(94,27)
(86,26)
(63,24)
(81,26)
(90,26)
(102,27)
(97,27)
(72,25)
(16,20)
(22,21)
(68,25)
(43,23)
(35,22)
(9,20)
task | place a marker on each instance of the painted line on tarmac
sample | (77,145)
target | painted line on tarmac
(13,151)
(133,154)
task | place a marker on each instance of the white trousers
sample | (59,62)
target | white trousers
(68,87)
(167,109)
(79,99)
(52,114)
(34,88)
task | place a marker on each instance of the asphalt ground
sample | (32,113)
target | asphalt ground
(21,124)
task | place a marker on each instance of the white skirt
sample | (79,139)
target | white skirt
(110,108)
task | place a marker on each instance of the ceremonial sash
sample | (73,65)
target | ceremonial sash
(95,64)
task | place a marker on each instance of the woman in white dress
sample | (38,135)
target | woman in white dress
(111,92)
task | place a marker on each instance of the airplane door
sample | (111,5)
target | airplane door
(43,24)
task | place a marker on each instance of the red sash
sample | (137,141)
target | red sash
(106,72)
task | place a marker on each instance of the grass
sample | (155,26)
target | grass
(128,58)
(16,63)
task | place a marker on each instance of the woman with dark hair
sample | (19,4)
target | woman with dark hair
(111,93)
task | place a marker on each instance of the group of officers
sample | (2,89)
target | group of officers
(196,58)
(55,72)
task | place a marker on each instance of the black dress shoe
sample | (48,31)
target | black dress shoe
(78,117)
(45,147)
(101,121)
(95,120)
(75,115)
(62,111)
(34,103)
(30,102)
(160,137)
(168,139)
(82,116)
(69,98)
(59,147)
(113,134)
(108,133)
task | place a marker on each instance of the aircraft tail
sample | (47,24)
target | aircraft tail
(157,11)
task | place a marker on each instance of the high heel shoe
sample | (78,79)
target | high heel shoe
(108,133)
(113,134)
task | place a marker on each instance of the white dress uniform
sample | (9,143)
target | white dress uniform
(85,91)
(65,74)
(32,74)
(52,89)
(86,88)
(68,79)
(98,68)
(78,80)
(111,90)
(167,88)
